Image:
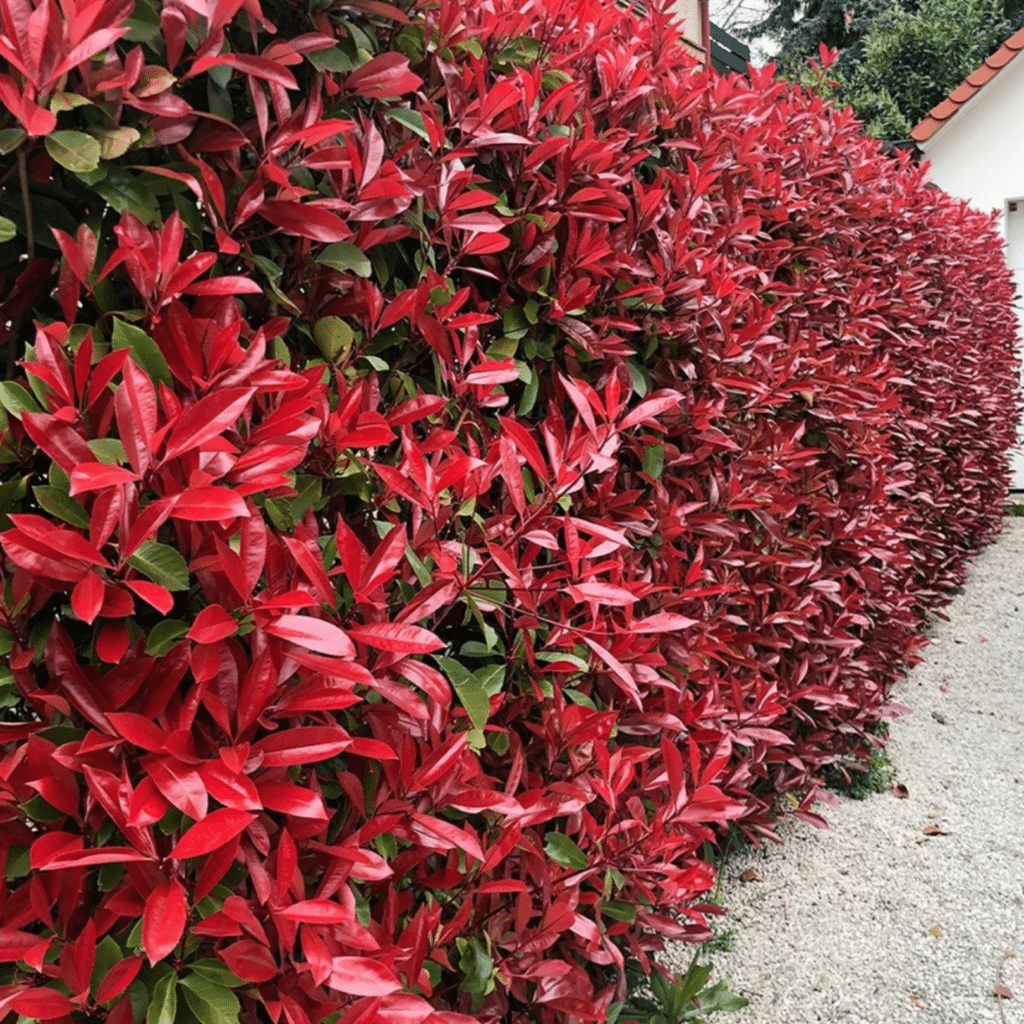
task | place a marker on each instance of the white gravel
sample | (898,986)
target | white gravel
(872,921)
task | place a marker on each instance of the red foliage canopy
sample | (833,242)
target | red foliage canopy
(466,459)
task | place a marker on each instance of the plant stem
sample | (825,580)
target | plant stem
(26,203)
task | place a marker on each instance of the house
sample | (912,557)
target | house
(705,39)
(974,140)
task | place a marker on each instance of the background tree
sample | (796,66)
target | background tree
(913,59)
(949,36)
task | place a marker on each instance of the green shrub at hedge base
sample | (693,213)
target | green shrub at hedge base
(457,461)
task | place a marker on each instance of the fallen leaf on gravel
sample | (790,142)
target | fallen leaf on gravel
(900,791)
(943,687)
(1001,992)
(750,875)
(982,639)
(917,1002)
(936,931)
(934,830)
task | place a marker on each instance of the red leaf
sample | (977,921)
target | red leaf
(118,978)
(662,622)
(180,783)
(212,624)
(15,944)
(42,1004)
(396,637)
(162,600)
(250,961)
(313,634)
(94,476)
(602,593)
(228,284)
(307,221)
(206,419)
(288,799)
(202,504)
(163,921)
(302,745)
(87,597)
(383,76)
(112,642)
(361,976)
(138,730)
(216,829)
(316,912)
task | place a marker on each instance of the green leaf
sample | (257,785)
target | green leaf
(145,352)
(8,229)
(64,101)
(18,864)
(73,150)
(60,504)
(211,1003)
(272,272)
(477,968)
(164,1007)
(412,119)
(470,690)
(617,910)
(332,59)
(161,564)
(216,972)
(654,461)
(108,953)
(11,139)
(346,256)
(115,142)
(333,337)
(108,449)
(124,190)
(164,635)
(16,399)
(562,850)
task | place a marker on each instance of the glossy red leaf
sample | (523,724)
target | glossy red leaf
(203,504)
(396,637)
(94,476)
(212,624)
(250,961)
(118,978)
(302,745)
(361,976)
(87,597)
(215,830)
(324,912)
(41,1004)
(164,919)
(313,634)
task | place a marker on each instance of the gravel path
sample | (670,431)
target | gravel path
(874,921)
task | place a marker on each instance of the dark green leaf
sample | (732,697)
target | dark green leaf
(161,564)
(211,1003)
(145,351)
(164,635)
(60,504)
(562,850)
(345,256)
(164,1007)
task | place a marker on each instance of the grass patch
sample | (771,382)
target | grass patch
(858,779)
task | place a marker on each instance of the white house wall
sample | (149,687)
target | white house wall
(979,156)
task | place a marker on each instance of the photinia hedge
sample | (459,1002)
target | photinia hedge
(459,459)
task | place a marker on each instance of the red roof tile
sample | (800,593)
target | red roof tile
(941,114)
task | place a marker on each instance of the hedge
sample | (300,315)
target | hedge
(459,460)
